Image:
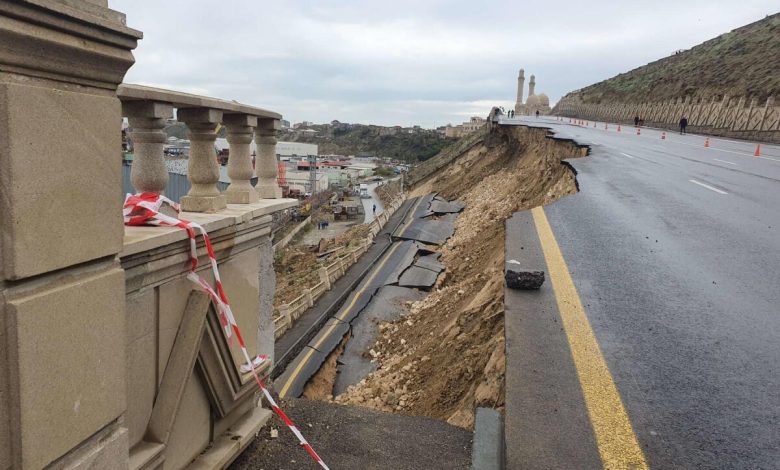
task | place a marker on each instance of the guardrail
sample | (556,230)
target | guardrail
(287,314)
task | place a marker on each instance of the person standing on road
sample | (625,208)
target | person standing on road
(683,125)
(374,209)
(636,121)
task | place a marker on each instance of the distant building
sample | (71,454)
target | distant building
(473,124)
(301,180)
(534,103)
(283,149)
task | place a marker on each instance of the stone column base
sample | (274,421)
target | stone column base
(241,195)
(106,450)
(203,203)
(269,192)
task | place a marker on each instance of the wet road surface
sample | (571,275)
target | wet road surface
(674,251)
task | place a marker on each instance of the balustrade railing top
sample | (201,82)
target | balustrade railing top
(148,110)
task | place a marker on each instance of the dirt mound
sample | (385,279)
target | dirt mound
(446,356)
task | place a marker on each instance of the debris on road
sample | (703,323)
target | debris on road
(523,279)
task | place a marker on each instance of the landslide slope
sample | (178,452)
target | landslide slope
(743,62)
(446,355)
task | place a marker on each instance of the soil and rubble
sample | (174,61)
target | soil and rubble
(445,356)
(296,265)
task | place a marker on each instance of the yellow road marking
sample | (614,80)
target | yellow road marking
(340,317)
(615,438)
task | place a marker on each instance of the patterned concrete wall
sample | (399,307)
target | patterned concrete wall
(730,117)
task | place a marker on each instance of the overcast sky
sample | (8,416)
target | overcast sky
(408,62)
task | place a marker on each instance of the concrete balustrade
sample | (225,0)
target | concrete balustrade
(203,169)
(110,357)
(147,120)
(240,128)
(147,110)
(267,169)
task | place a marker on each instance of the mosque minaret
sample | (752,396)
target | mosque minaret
(534,102)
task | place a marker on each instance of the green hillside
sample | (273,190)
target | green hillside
(743,62)
(355,140)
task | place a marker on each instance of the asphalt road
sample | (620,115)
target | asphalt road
(674,250)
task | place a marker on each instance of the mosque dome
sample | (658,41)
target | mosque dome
(533,100)
(543,99)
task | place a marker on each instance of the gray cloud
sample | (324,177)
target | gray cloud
(407,62)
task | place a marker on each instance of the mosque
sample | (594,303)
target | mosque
(534,102)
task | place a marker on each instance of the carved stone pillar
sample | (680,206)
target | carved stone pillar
(147,120)
(266,165)
(62,326)
(239,136)
(203,169)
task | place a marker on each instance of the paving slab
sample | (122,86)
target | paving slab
(405,255)
(445,207)
(418,277)
(430,262)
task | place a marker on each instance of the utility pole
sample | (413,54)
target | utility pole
(313,177)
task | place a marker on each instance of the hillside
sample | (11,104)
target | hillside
(743,62)
(353,140)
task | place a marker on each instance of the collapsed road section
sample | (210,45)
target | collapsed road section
(408,268)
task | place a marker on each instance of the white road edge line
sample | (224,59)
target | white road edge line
(708,187)
(723,161)
(629,156)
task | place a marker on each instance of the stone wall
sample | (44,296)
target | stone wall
(62,383)
(109,357)
(735,117)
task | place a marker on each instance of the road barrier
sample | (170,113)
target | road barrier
(287,314)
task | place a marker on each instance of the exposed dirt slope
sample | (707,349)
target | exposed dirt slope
(445,157)
(743,62)
(446,356)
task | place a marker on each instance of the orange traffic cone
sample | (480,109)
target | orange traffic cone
(618,127)
(706,142)
(758,150)
(663,135)
(637,131)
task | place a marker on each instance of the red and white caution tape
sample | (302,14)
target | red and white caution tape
(144,209)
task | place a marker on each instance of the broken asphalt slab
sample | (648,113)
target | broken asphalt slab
(355,362)
(418,277)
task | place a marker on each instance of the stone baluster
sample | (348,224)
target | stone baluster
(266,165)
(240,171)
(147,120)
(203,169)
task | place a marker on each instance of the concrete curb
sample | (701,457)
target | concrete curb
(488,448)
